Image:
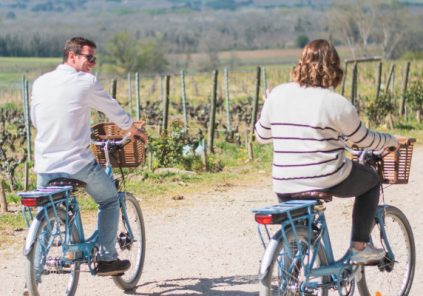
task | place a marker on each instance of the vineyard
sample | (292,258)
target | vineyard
(203,122)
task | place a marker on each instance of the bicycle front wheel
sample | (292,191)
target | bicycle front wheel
(391,278)
(131,249)
(284,276)
(46,270)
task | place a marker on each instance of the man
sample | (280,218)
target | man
(60,111)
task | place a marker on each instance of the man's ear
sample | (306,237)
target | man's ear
(71,56)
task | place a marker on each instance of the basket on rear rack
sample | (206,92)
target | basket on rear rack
(396,165)
(131,155)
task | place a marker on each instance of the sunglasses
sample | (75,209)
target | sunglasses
(90,58)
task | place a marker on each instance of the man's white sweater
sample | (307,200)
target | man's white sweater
(308,127)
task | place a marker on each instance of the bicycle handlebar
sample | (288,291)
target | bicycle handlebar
(110,143)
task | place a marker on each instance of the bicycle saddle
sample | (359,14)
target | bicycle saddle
(325,196)
(67,182)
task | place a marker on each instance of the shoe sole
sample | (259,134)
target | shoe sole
(112,273)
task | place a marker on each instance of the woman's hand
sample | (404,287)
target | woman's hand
(138,132)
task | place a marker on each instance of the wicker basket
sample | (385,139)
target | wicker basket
(396,166)
(131,155)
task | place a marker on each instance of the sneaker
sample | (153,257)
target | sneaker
(116,267)
(368,254)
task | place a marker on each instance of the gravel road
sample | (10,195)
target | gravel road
(207,244)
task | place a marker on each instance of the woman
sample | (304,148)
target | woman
(308,124)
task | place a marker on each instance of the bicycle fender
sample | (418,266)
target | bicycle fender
(268,255)
(32,234)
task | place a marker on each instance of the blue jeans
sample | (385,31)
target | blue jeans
(102,189)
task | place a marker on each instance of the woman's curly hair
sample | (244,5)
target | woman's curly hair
(319,65)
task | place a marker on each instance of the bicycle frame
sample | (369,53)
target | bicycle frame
(83,251)
(318,236)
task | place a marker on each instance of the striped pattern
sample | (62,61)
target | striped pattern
(308,128)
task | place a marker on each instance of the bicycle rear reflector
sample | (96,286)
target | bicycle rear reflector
(42,196)
(264,218)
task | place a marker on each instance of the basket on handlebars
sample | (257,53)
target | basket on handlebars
(131,155)
(396,165)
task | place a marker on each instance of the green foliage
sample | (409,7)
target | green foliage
(12,138)
(12,220)
(301,40)
(129,55)
(378,109)
(168,148)
(414,95)
(412,55)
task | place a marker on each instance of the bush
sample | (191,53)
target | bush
(414,97)
(378,109)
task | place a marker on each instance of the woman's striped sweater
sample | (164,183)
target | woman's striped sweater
(308,127)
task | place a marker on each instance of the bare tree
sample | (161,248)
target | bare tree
(393,21)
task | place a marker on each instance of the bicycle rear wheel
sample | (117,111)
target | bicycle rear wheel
(132,250)
(46,273)
(279,280)
(391,278)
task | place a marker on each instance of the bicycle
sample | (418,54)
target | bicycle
(299,259)
(56,246)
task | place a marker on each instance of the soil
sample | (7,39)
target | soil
(207,244)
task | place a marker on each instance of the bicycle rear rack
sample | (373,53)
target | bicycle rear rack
(285,214)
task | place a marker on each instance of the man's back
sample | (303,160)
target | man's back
(60,112)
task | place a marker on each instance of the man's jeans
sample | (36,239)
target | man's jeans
(102,189)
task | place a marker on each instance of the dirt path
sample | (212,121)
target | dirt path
(208,245)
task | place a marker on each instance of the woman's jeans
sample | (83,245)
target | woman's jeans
(363,183)
(101,187)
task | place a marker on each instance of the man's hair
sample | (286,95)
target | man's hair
(75,45)
(319,65)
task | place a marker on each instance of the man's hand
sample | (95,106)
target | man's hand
(138,132)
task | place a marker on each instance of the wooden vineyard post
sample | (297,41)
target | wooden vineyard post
(228,106)
(3,201)
(354,84)
(166,105)
(113,88)
(378,78)
(390,81)
(28,132)
(137,95)
(344,79)
(404,89)
(212,121)
(130,93)
(254,115)
(265,85)
(184,100)
(204,156)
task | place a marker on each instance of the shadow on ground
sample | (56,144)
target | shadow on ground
(226,286)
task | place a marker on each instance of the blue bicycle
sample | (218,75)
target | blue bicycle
(299,259)
(56,248)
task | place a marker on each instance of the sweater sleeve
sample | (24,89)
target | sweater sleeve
(100,100)
(262,128)
(356,132)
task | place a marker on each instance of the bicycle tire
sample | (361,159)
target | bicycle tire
(377,278)
(53,278)
(269,285)
(130,278)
